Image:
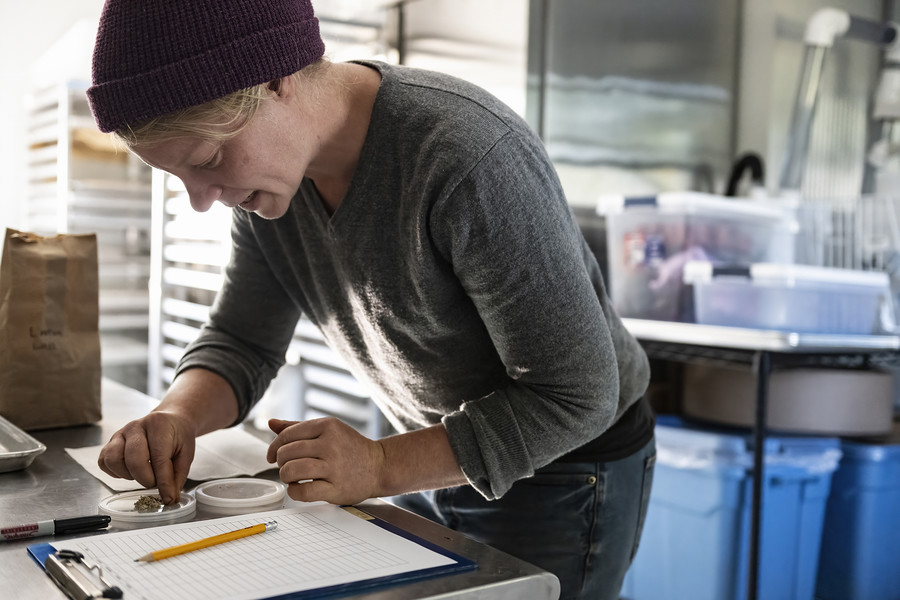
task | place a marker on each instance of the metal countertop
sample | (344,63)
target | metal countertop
(757,339)
(55,486)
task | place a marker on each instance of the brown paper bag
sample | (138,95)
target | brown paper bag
(49,340)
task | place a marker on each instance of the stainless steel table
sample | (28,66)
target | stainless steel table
(56,486)
(763,350)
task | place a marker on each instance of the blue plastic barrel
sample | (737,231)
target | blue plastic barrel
(696,539)
(860,558)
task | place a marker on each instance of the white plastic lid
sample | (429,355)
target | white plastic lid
(697,203)
(121,508)
(240,492)
(811,274)
(789,274)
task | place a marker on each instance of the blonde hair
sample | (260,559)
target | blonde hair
(218,120)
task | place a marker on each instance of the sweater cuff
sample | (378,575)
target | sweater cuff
(465,446)
(489,447)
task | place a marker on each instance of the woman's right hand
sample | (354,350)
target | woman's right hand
(155,450)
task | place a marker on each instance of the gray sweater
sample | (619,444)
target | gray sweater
(453,280)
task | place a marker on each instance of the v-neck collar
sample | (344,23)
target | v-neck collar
(314,199)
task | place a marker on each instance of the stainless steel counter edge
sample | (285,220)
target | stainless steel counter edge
(521,580)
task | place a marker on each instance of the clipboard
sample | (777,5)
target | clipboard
(76,571)
(78,579)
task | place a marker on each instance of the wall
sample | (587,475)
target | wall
(634,97)
(27,31)
(482,42)
(769,76)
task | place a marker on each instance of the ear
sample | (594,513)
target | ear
(282,87)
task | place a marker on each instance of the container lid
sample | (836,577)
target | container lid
(240,492)
(701,271)
(689,446)
(121,507)
(884,448)
(695,203)
(874,452)
(683,447)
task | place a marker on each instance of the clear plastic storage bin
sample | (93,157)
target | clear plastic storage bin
(796,298)
(696,538)
(650,239)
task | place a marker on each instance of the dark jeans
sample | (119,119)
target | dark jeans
(580,521)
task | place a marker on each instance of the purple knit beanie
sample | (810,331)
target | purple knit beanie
(153,57)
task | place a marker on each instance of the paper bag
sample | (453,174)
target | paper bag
(49,340)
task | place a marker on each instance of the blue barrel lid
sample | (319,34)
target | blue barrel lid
(871,452)
(881,449)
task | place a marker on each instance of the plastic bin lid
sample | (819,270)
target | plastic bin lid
(121,507)
(688,449)
(239,492)
(688,446)
(693,203)
(702,271)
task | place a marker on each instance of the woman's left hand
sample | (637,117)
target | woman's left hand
(326,459)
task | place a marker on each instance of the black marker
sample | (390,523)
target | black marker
(54,527)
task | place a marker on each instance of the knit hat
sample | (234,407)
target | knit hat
(153,57)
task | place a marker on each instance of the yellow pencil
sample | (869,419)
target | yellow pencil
(207,542)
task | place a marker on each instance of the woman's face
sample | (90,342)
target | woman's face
(259,170)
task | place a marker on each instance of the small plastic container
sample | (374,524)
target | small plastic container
(123,513)
(696,536)
(240,495)
(650,239)
(795,298)
(861,541)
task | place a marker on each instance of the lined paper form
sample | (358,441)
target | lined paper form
(313,547)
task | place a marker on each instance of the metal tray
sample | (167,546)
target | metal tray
(17,448)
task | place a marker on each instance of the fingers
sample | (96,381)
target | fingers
(137,460)
(182,464)
(312,491)
(126,456)
(303,469)
(290,431)
(278,425)
(112,457)
(171,471)
(154,451)
(168,484)
(324,459)
(165,478)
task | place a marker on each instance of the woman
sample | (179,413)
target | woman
(419,224)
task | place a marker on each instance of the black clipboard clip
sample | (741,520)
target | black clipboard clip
(78,579)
